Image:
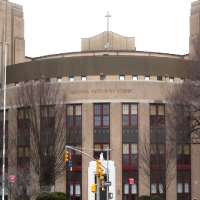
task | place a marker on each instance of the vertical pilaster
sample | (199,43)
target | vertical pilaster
(12,145)
(144,143)
(171,170)
(195,170)
(87,144)
(116,144)
(60,182)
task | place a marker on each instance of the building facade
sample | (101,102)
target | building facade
(116,99)
(14,23)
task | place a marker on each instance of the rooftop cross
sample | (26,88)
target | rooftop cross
(108,16)
(107,45)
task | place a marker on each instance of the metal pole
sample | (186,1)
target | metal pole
(107,173)
(4,103)
(68,181)
(98,188)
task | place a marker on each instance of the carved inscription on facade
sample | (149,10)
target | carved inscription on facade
(100,91)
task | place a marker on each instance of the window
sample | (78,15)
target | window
(171,79)
(83,78)
(159,78)
(183,155)
(158,149)
(125,148)
(157,188)
(71,78)
(179,188)
(135,77)
(101,148)
(157,115)
(130,191)
(134,189)
(129,115)
(153,188)
(146,78)
(153,110)
(102,115)
(126,188)
(129,154)
(121,77)
(59,80)
(183,184)
(74,113)
(102,76)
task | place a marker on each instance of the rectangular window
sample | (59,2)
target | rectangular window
(134,189)
(59,80)
(179,188)
(129,155)
(126,188)
(77,190)
(157,115)
(125,148)
(152,110)
(74,113)
(71,190)
(160,188)
(159,78)
(129,115)
(186,187)
(102,76)
(71,78)
(101,148)
(134,149)
(83,78)
(171,79)
(153,188)
(121,77)
(135,77)
(102,115)
(186,149)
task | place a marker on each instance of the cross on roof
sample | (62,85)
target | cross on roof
(108,16)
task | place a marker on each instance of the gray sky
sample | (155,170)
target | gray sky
(56,26)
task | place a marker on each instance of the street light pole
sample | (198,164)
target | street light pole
(4,99)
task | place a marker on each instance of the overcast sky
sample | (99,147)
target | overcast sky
(56,26)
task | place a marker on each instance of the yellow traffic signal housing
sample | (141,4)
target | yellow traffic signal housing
(93,188)
(99,170)
(66,156)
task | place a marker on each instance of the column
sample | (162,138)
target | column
(195,170)
(144,145)
(171,170)
(87,144)
(12,146)
(116,144)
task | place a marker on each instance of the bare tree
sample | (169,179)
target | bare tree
(157,160)
(185,114)
(43,118)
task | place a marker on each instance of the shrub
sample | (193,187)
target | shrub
(51,196)
(156,198)
(144,197)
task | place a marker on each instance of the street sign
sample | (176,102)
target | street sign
(12,178)
(131,181)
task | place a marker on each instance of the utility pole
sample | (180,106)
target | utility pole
(4,98)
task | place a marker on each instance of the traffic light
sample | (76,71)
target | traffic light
(66,156)
(100,172)
(93,188)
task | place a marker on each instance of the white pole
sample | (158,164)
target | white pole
(4,103)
